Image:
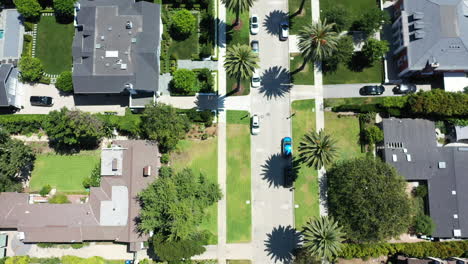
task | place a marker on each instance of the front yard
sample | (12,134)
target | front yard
(239,223)
(306,75)
(343,75)
(306,193)
(202,157)
(54,43)
(345,130)
(299,17)
(63,172)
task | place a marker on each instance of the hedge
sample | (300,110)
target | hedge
(441,250)
(22,124)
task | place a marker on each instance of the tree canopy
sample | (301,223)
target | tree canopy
(29,9)
(371,20)
(317,149)
(73,129)
(162,123)
(374,49)
(339,16)
(240,62)
(317,41)
(182,23)
(174,205)
(64,8)
(323,238)
(31,69)
(184,81)
(367,197)
(65,82)
(14,158)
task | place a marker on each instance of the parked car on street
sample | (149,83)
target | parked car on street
(255,125)
(254,45)
(372,90)
(405,88)
(41,101)
(286,146)
(284,31)
(254,27)
(256,80)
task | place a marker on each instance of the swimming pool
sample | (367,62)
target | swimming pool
(1,33)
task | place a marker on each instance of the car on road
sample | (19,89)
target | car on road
(255,125)
(288,176)
(254,45)
(284,31)
(405,88)
(256,80)
(372,90)
(254,27)
(286,146)
(41,101)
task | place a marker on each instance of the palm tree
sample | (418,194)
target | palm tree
(317,42)
(317,149)
(322,238)
(238,7)
(240,62)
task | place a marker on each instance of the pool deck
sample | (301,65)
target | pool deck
(11,45)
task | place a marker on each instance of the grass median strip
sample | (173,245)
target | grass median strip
(202,157)
(238,197)
(306,193)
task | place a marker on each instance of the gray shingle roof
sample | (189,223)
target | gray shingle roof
(445,30)
(5,71)
(135,52)
(447,186)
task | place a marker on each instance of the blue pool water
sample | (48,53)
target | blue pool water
(1,33)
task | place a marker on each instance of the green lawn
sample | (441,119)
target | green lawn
(332,102)
(183,49)
(343,75)
(239,262)
(355,7)
(298,20)
(306,76)
(239,213)
(345,130)
(202,157)
(53,46)
(306,193)
(63,172)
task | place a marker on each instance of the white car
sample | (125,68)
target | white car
(284,31)
(254,27)
(255,125)
(256,80)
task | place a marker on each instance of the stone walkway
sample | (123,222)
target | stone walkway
(188,64)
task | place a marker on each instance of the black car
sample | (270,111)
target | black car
(41,100)
(372,90)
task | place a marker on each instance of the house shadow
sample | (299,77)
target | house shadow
(281,243)
(276,81)
(101,99)
(272,21)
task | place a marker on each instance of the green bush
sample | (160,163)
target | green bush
(65,82)
(64,8)
(31,69)
(128,125)
(184,82)
(361,108)
(47,261)
(394,101)
(30,9)
(420,191)
(206,116)
(375,49)
(205,80)
(45,190)
(165,158)
(45,245)
(28,26)
(94,180)
(175,251)
(18,260)
(78,245)
(372,135)
(22,124)
(423,224)
(59,198)
(340,16)
(438,103)
(182,24)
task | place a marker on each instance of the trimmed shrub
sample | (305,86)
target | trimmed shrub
(423,224)
(45,190)
(22,124)
(28,26)
(205,80)
(31,69)
(372,134)
(59,198)
(165,158)
(182,24)
(420,191)
(94,180)
(184,82)
(30,9)
(64,82)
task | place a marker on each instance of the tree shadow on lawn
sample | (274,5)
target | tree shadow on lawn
(272,21)
(276,81)
(282,242)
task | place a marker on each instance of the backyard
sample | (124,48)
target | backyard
(183,49)
(202,157)
(305,76)
(345,130)
(306,193)
(54,43)
(238,177)
(299,17)
(63,172)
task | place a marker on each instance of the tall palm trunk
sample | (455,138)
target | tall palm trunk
(301,7)
(304,63)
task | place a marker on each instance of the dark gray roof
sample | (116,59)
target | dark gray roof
(5,98)
(107,56)
(447,186)
(444,28)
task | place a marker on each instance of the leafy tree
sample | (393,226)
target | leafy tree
(182,24)
(240,62)
(367,197)
(371,20)
(65,82)
(73,128)
(238,7)
(162,123)
(15,157)
(317,149)
(29,9)
(64,8)
(184,82)
(175,251)
(59,198)
(375,49)
(339,16)
(372,134)
(423,224)
(322,238)
(31,69)
(343,54)
(45,190)
(177,216)
(317,42)
(420,191)
(94,180)
(437,102)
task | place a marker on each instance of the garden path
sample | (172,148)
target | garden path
(189,64)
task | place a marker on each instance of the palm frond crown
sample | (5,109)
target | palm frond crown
(240,61)
(317,41)
(323,238)
(317,149)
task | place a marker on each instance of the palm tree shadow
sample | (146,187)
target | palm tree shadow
(282,242)
(272,21)
(276,81)
(272,170)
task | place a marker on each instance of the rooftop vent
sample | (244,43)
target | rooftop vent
(394,158)
(457,233)
(147,171)
(102,37)
(408,157)
(98,46)
(114,164)
(418,15)
(134,40)
(442,165)
(454,192)
(129,25)
(109,28)
(455,216)
(123,66)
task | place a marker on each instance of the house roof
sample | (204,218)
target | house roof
(461,132)
(108,55)
(109,215)
(443,25)
(411,147)
(13,38)
(5,70)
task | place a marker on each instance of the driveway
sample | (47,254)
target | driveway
(273,237)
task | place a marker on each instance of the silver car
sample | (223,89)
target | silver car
(254,27)
(255,46)
(284,31)
(255,125)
